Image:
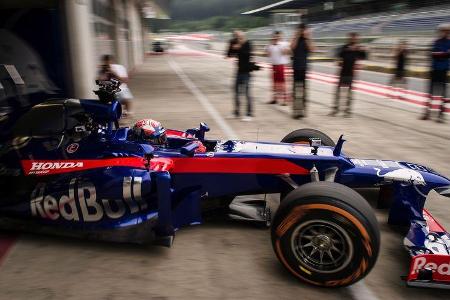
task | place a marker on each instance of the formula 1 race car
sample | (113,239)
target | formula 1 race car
(67,167)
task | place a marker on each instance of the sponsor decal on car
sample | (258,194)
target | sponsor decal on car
(50,167)
(72,148)
(437,263)
(81,203)
(47,167)
(402,175)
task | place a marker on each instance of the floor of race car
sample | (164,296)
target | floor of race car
(227,260)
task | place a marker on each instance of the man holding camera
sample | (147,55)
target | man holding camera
(243,51)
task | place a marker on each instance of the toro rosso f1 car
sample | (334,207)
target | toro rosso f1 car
(67,167)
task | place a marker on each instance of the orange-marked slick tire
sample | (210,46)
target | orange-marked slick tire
(326,234)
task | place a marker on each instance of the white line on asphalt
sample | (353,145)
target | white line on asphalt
(360,290)
(204,101)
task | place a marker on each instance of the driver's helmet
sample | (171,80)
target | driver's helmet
(150,131)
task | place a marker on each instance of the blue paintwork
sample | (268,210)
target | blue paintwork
(174,199)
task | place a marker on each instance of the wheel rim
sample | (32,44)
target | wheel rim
(322,246)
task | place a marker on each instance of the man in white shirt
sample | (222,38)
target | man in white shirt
(278,54)
(110,70)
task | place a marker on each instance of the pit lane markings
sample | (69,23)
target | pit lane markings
(6,243)
(203,100)
(360,290)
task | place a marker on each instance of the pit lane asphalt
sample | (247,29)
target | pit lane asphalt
(222,259)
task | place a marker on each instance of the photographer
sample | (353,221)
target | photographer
(301,47)
(108,71)
(243,50)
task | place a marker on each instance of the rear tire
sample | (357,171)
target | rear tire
(300,136)
(326,234)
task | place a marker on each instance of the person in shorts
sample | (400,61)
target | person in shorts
(278,54)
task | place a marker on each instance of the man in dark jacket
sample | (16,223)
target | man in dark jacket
(301,47)
(243,50)
(349,54)
(440,54)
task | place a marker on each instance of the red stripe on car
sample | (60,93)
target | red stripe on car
(174,165)
(236,165)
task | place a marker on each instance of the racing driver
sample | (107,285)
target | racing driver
(149,131)
(152,132)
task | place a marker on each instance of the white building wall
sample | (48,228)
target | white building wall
(135,34)
(86,49)
(140,50)
(121,34)
(81,48)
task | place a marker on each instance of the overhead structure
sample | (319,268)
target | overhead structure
(156,9)
(286,13)
(280,6)
(328,10)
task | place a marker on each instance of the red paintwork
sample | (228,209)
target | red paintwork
(432,223)
(236,165)
(79,165)
(439,264)
(174,165)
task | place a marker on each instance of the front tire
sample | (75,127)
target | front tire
(326,234)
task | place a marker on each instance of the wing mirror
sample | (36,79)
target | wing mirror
(189,149)
(199,133)
(202,130)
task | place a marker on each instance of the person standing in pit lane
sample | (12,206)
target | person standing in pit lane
(243,50)
(110,70)
(301,47)
(277,52)
(401,58)
(348,56)
(440,54)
